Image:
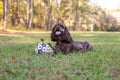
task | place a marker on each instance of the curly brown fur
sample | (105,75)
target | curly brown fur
(64,41)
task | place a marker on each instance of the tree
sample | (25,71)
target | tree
(29,13)
(12,12)
(1,10)
(5,13)
(73,12)
(48,6)
(42,14)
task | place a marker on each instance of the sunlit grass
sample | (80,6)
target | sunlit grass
(20,62)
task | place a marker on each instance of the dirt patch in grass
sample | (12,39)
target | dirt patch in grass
(115,73)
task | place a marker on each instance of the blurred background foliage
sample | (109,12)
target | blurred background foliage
(78,15)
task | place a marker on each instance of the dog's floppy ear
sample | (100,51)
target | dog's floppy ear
(66,37)
(53,36)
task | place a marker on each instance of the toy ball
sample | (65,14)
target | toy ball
(43,48)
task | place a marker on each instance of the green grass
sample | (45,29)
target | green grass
(20,62)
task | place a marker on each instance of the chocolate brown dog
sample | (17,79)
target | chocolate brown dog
(64,41)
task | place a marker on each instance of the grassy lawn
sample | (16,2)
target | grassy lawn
(20,62)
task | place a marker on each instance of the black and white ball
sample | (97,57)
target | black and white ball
(43,48)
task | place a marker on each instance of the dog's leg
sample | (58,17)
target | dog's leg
(87,46)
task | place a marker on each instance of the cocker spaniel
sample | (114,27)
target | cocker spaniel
(64,41)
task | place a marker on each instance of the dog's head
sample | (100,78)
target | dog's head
(60,33)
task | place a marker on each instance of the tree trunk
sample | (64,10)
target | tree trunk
(76,19)
(3,2)
(29,14)
(17,13)
(6,14)
(12,12)
(48,17)
(92,22)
